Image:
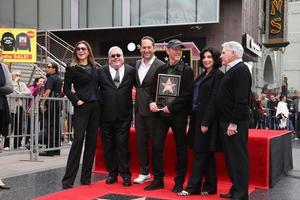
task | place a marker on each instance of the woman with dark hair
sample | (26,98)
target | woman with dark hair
(83,76)
(36,87)
(203,129)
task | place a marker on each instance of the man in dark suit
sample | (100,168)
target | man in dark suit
(297,115)
(172,114)
(116,82)
(233,104)
(145,72)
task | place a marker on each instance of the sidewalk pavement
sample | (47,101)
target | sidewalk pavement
(19,164)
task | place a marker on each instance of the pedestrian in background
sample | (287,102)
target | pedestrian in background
(51,110)
(6,87)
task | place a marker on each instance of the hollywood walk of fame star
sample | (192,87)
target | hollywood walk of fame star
(168,86)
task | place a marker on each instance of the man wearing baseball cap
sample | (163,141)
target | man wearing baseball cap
(171,115)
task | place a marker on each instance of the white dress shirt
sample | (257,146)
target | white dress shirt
(233,63)
(144,68)
(113,72)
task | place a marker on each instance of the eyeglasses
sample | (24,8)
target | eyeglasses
(81,48)
(115,55)
(17,74)
(49,67)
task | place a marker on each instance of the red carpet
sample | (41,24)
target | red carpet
(99,189)
(259,156)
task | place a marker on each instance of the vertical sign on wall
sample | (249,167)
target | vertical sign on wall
(18,45)
(276,13)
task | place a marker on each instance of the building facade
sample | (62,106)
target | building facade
(105,23)
(291,58)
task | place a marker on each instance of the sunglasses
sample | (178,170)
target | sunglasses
(115,55)
(81,48)
(49,67)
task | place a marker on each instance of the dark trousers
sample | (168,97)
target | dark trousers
(161,125)
(86,122)
(52,126)
(236,158)
(204,165)
(297,124)
(143,129)
(115,136)
(4,126)
(18,120)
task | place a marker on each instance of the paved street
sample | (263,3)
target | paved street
(29,179)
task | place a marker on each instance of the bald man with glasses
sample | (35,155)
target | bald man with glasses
(116,82)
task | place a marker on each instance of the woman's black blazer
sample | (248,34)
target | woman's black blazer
(206,113)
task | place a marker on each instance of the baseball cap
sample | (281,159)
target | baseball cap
(175,43)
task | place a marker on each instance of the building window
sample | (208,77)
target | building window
(100,13)
(181,11)
(151,15)
(144,12)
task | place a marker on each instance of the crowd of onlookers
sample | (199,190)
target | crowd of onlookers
(274,111)
(20,104)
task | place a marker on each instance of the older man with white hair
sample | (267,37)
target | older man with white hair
(17,107)
(233,104)
(116,82)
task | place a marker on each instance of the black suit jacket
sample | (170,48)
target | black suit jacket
(234,94)
(206,113)
(143,91)
(116,102)
(83,83)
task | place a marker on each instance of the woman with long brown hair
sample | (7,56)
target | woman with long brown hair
(83,76)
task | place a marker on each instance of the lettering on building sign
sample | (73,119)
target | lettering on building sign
(276,24)
(251,45)
(276,16)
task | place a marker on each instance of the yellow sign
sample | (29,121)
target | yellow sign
(18,45)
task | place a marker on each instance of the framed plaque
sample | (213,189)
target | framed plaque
(168,86)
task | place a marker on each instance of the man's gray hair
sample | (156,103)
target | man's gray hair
(14,72)
(114,47)
(234,46)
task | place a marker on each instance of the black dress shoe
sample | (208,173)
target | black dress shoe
(126,182)
(85,182)
(227,195)
(155,185)
(45,153)
(56,152)
(64,186)
(178,187)
(111,179)
(4,187)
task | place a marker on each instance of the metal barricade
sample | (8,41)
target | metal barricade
(35,131)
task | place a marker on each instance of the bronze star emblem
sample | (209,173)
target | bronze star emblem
(168,86)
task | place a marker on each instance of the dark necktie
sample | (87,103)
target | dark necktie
(117,78)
